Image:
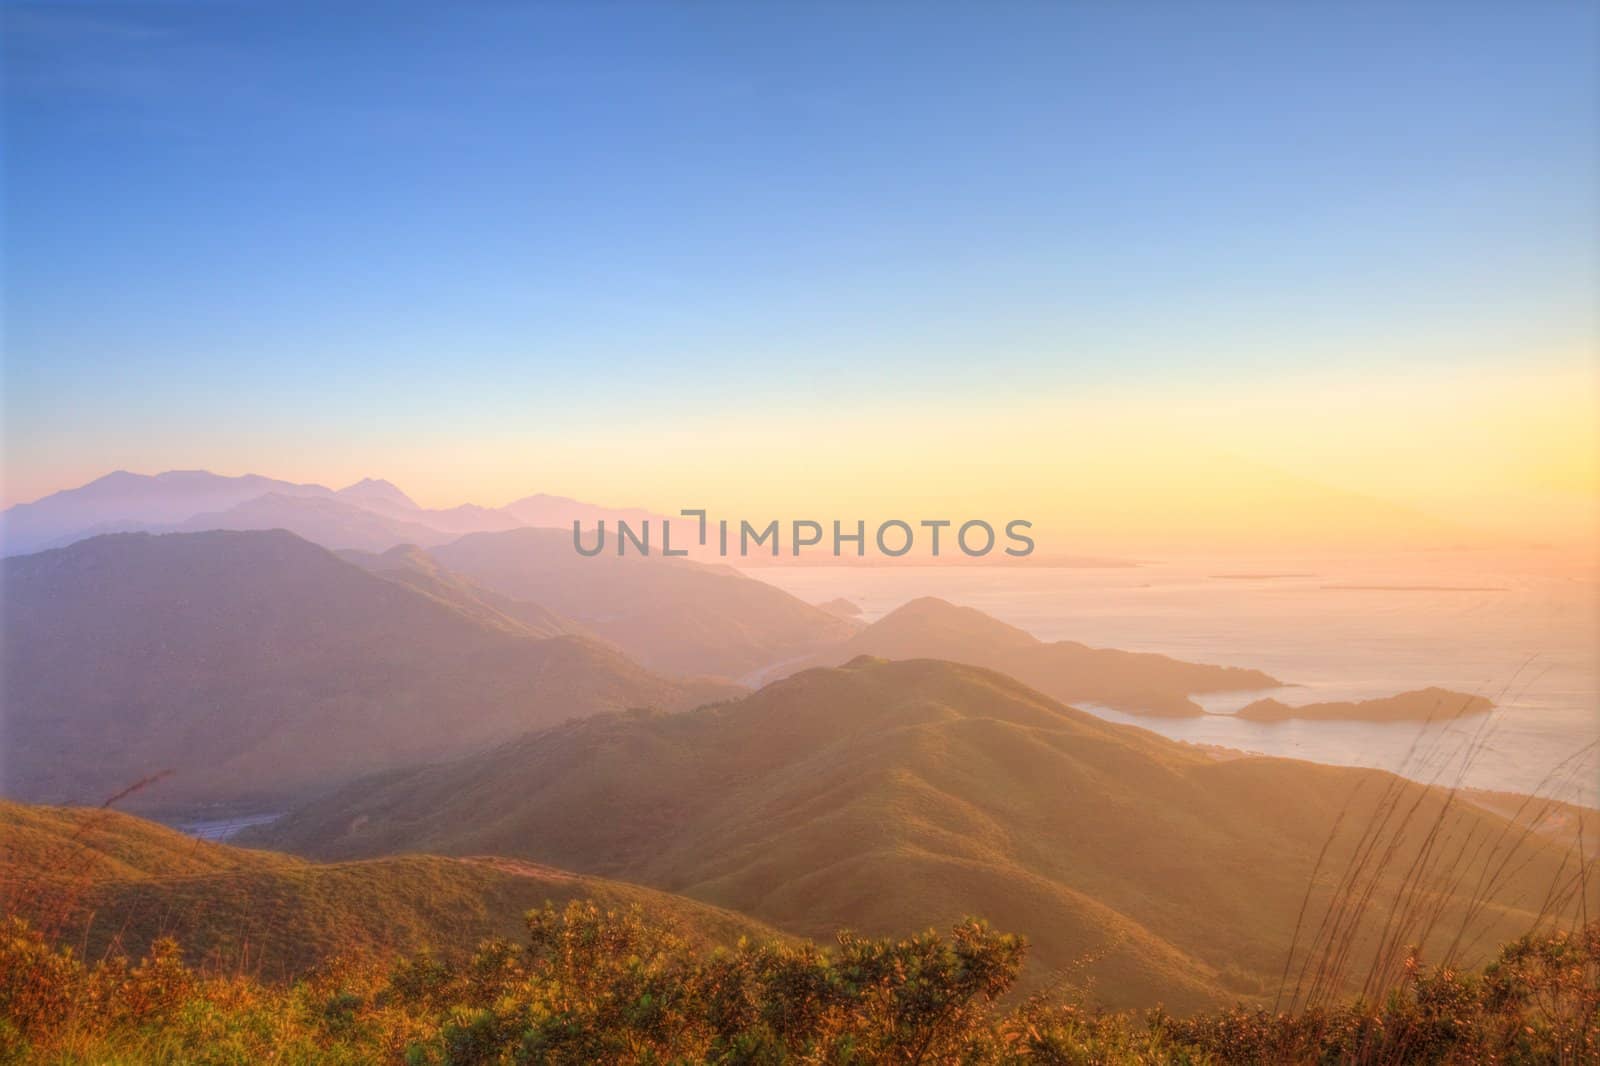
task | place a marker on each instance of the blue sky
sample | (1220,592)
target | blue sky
(229,225)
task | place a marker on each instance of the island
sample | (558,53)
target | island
(1418,705)
(841,608)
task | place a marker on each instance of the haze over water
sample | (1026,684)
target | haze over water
(1517,630)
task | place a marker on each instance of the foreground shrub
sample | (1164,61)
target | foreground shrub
(593,986)
(1538,1002)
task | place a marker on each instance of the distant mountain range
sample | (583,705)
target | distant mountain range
(374,515)
(371,515)
(219,655)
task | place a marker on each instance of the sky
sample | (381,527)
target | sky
(1137,272)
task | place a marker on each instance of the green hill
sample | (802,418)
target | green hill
(1136,682)
(893,796)
(259,668)
(101,880)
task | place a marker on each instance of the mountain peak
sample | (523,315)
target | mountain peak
(930,616)
(376,492)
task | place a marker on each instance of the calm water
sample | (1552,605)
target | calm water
(219,829)
(1517,630)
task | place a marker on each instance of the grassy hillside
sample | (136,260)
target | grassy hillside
(890,796)
(1136,682)
(100,880)
(674,615)
(258,667)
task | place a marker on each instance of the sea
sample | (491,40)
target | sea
(1522,630)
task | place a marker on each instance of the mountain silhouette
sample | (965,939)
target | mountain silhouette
(260,667)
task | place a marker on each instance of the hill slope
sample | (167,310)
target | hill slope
(260,667)
(99,878)
(894,796)
(1136,682)
(673,615)
(411,566)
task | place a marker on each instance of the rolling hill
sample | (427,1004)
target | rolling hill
(259,667)
(672,615)
(99,879)
(894,796)
(1136,682)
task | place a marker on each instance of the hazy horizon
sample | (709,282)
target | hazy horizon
(1174,522)
(777,262)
